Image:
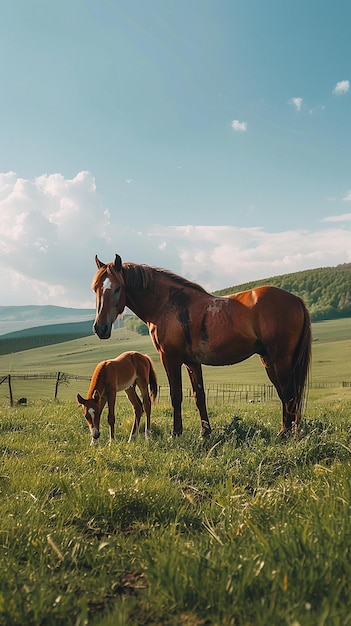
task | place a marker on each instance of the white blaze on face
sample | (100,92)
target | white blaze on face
(91,412)
(106,285)
(93,429)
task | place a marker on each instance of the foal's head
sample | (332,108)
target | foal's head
(109,287)
(92,412)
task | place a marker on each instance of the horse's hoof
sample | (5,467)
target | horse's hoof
(176,434)
(287,432)
(205,432)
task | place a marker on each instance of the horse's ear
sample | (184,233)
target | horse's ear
(99,263)
(96,396)
(79,398)
(118,263)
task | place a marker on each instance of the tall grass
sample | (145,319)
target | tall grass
(240,529)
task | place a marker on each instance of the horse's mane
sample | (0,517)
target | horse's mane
(105,270)
(143,276)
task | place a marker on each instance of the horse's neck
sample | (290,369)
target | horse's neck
(143,303)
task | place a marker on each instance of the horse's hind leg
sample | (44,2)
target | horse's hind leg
(137,409)
(144,390)
(197,384)
(280,374)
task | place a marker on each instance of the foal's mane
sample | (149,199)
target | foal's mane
(142,276)
(96,377)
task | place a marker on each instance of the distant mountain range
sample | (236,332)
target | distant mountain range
(18,318)
(27,327)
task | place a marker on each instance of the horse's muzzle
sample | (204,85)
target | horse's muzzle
(103,332)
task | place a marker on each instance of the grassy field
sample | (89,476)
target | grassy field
(242,529)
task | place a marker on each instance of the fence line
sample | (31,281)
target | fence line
(216,393)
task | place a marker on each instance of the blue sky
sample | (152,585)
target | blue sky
(210,137)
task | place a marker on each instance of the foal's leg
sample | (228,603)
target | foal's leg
(138,411)
(197,383)
(144,389)
(111,401)
(173,371)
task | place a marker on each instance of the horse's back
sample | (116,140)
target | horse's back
(279,316)
(269,299)
(120,372)
(264,293)
(129,366)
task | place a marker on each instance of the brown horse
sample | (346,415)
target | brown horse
(123,373)
(191,327)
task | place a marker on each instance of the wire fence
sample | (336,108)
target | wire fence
(16,389)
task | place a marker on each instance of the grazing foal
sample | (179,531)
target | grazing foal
(124,373)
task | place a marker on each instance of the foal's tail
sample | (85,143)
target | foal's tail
(152,380)
(302,361)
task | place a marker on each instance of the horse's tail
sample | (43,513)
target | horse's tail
(152,380)
(302,361)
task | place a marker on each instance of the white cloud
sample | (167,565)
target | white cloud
(47,225)
(239,126)
(223,256)
(347,196)
(344,217)
(341,87)
(52,228)
(297,103)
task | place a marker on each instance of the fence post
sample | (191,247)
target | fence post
(57,384)
(10,389)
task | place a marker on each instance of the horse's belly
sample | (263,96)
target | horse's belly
(227,353)
(125,383)
(220,356)
(223,359)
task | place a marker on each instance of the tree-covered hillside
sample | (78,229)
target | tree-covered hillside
(326,290)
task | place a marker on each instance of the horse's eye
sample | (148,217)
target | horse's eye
(116,291)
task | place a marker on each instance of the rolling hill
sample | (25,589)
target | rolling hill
(46,335)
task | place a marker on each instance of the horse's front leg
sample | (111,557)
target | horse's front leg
(197,384)
(111,401)
(138,411)
(173,371)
